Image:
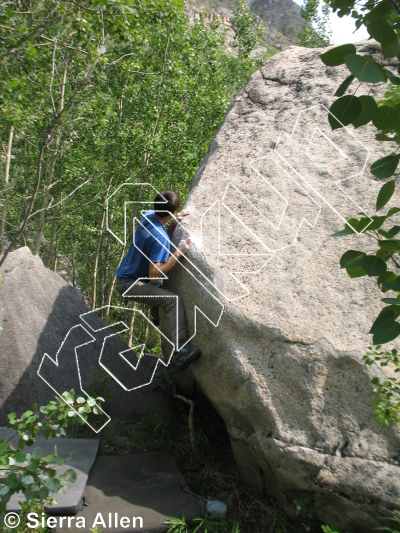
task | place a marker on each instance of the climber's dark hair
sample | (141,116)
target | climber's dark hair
(166,202)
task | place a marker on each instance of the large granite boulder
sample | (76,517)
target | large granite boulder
(284,365)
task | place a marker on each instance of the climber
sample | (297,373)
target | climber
(140,273)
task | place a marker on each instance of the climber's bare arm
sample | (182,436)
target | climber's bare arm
(155,268)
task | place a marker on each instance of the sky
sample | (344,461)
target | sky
(342,29)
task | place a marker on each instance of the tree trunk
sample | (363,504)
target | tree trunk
(99,244)
(6,175)
(53,231)
(55,254)
(108,303)
(148,152)
(131,324)
(73,268)
(100,240)
(49,179)
(45,196)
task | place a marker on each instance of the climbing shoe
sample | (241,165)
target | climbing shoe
(185,358)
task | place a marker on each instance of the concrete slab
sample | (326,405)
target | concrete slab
(82,460)
(145,485)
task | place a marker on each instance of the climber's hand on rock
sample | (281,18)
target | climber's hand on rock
(180,216)
(184,245)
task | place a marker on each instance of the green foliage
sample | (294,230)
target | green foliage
(53,418)
(382,20)
(207,524)
(275,520)
(396,519)
(316,31)
(103,93)
(29,472)
(31,506)
(336,56)
(327,529)
(344,111)
(200,440)
(100,386)
(304,511)
(154,430)
(387,393)
(246,32)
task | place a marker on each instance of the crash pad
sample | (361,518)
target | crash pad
(145,485)
(83,452)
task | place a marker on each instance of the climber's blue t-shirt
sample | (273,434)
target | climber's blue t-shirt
(153,241)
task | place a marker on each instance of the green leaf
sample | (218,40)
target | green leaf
(385,279)
(390,244)
(385,194)
(393,211)
(374,266)
(391,301)
(385,138)
(382,30)
(383,254)
(386,166)
(393,231)
(343,4)
(54,485)
(369,109)
(363,224)
(33,465)
(364,68)
(43,493)
(342,233)
(376,223)
(377,28)
(386,332)
(393,284)
(392,77)
(336,56)
(357,272)
(346,109)
(386,118)
(391,47)
(4,490)
(13,481)
(69,476)
(344,85)
(388,313)
(381,10)
(352,259)
(36,453)
(20,457)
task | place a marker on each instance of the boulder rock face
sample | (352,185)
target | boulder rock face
(284,365)
(44,316)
